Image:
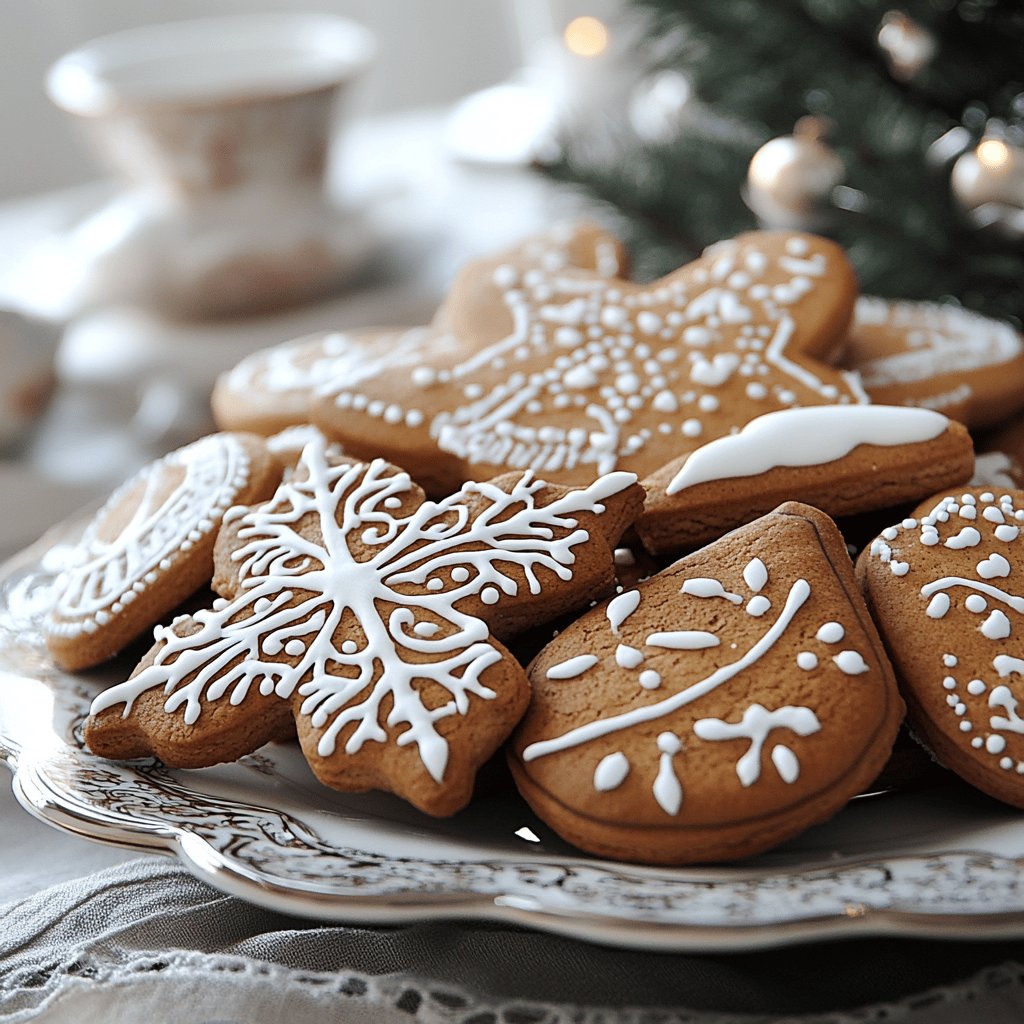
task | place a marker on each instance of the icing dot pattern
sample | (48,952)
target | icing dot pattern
(982,709)
(598,373)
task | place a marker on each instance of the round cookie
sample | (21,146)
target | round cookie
(372,617)
(937,357)
(944,586)
(728,703)
(573,375)
(844,460)
(273,389)
(151,545)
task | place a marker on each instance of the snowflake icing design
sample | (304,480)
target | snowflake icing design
(349,594)
(594,372)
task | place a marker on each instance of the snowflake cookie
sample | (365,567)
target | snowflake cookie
(842,459)
(151,545)
(946,586)
(571,374)
(723,706)
(370,615)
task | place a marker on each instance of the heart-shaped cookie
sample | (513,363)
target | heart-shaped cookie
(723,706)
(946,587)
(572,375)
(369,614)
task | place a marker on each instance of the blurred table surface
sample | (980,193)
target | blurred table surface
(132,385)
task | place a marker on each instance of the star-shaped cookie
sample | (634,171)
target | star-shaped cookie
(572,375)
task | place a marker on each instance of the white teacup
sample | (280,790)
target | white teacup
(220,128)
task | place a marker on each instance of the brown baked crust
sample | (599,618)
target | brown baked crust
(719,819)
(951,718)
(360,530)
(937,356)
(870,477)
(78,640)
(489,391)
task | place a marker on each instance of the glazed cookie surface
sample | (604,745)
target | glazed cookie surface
(274,389)
(151,545)
(370,615)
(721,707)
(573,375)
(937,357)
(945,586)
(842,459)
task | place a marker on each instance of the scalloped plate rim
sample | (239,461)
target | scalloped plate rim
(68,813)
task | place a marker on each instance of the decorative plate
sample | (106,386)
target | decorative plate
(940,862)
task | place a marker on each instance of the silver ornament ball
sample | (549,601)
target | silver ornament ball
(791,178)
(908,46)
(988,185)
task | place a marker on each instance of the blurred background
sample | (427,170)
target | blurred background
(147,243)
(432,54)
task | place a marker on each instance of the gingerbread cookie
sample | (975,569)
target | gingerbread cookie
(273,389)
(733,700)
(841,459)
(944,586)
(151,545)
(937,357)
(574,375)
(370,615)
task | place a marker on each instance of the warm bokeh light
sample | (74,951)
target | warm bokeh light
(586,36)
(993,153)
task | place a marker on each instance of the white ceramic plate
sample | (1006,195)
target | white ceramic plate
(943,862)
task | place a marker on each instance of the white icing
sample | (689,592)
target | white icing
(805,437)
(683,640)
(572,668)
(831,633)
(758,605)
(755,574)
(628,657)
(807,660)
(968,537)
(668,791)
(704,587)
(795,599)
(101,573)
(611,772)
(993,566)
(649,679)
(620,608)
(756,725)
(305,585)
(851,662)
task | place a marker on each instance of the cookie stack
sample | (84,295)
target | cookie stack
(468,537)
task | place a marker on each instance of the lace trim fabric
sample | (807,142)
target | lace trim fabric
(233,988)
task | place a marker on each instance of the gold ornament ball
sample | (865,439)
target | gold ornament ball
(988,184)
(791,178)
